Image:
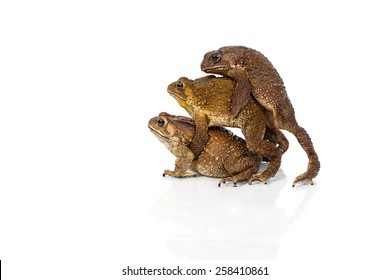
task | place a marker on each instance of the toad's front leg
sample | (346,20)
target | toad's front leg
(242,93)
(183,161)
(201,134)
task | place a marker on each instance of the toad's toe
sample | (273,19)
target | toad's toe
(228,179)
(259,177)
(303,179)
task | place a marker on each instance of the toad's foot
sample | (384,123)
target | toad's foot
(302,179)
(178,174)
(228,179)
(314,164)
(262,177)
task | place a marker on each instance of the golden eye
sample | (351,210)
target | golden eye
(179,85)
(160,122)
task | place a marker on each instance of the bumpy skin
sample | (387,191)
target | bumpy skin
(224,155)
(208,101)
(255,74)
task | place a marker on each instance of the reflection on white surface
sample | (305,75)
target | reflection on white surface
(208,222)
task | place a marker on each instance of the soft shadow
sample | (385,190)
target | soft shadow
(207,222)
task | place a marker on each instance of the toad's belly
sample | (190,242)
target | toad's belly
(209,169)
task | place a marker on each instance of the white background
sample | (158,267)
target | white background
(81,191)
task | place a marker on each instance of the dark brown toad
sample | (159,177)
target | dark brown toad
(255,75)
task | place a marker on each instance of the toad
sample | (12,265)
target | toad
(224,155)
(256,76)
(208,102)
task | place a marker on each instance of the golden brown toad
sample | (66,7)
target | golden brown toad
(255,74)
(224,155)
(208,101)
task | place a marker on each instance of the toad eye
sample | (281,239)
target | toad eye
(160,122)
(179,85)
(214,58)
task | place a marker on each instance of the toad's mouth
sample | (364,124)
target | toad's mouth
(157,132)
(218,68)
(177,96)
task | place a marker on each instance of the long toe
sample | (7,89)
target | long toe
(221,182)
(303,179)
(258,177)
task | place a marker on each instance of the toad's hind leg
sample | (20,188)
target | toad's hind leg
(314,164)
(289,123)
(254,133)
(277,137)
(240,167)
